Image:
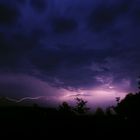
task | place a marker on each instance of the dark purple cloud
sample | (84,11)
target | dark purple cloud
(105,15)
(71,44)
(39,5)
(8,15)
(63,25)
(21,85)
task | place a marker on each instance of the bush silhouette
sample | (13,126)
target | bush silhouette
(81,107)
(129,107)
(65,109)
(99,112)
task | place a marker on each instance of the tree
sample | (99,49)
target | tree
(65,109)
(129,107)
(81,107)
(118,100)
(110,111)
(99,112)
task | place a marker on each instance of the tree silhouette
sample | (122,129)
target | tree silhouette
(129,107)
(81,107)
(99,112)
(118,99)
(110,111)
(65,108)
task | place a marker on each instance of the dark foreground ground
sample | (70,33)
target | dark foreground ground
(35,121)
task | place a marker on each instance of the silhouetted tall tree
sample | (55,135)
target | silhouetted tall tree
(99,112)
(129,107)
(65,108)
(118,100)
(81,107)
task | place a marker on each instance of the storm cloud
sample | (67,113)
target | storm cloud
(63,25)
(39,5)
(8,15)
(68,48)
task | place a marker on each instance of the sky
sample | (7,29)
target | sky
(62,49)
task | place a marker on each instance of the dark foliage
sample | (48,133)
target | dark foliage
(129,107)
(81,106)
(79,109)
(122,119)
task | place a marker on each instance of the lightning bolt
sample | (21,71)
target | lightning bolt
(25,98)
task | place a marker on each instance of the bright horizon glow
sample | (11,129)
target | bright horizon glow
(95,97)
(42,93)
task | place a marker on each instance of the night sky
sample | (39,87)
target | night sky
(61,49)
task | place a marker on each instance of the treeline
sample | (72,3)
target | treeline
(124,118)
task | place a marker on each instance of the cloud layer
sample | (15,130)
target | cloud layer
(71,44)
